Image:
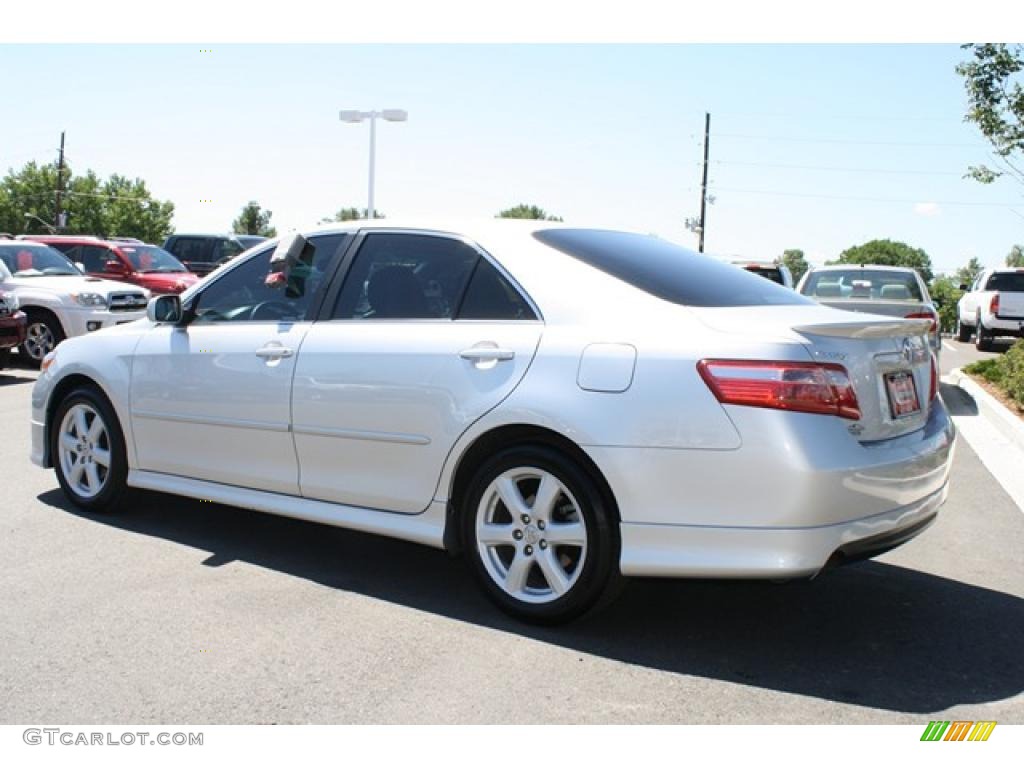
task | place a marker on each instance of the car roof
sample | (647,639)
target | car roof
(227,235)
(873,267)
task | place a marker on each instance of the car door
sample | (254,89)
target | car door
(211,400)
(423,337)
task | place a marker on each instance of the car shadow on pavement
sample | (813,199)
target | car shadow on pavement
(871,634)
(958,401)
(9,377)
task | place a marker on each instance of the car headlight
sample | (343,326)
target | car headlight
(90,299)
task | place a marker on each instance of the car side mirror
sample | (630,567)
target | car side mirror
(165,309)
(115,267)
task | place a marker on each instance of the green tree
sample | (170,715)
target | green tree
(966,274)
(350,214)
(114,207)
(253,220)
(945,292)
(995,99)
(888,253)
(793,259)
(523,211)
(1015,258)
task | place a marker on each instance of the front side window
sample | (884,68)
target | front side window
(406,277)
(251,292)
(95,257)
(225,249)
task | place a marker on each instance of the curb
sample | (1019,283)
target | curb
(997,437)
(998,415)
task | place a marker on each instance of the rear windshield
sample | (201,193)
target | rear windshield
(666,270)
(863,284)
(772,273)
(248,241)
(1006,281)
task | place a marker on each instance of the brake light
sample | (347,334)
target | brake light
(925,316)
(789,386)
(993,306)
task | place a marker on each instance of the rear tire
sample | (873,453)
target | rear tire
(539,535)
(963,332)
(88,451)
(5,358)
(983,338)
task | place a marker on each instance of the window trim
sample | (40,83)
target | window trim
(360,235)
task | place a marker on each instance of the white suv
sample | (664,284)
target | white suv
(59,300)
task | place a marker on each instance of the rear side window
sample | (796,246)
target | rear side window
(192,249)
(668,271)
(1006,281)
(489,296)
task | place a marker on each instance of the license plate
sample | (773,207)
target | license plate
(902,394)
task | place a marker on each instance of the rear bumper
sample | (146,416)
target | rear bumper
(1005,326)
(768,553)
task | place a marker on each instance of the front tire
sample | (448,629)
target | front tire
(540,536)
(42,335)
(88,450)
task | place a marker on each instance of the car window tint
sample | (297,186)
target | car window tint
(251,292)
(865,284)
(225,249)
(94,257)
(666,270)
(1006,281)
(489,296)
(399,276)
(191,249)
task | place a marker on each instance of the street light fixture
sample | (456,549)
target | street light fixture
(50,227)
(355,116)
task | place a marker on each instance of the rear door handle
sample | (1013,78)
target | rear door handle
(480,354)
(274,352)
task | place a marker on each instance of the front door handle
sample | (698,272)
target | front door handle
(482,354)
(274,352)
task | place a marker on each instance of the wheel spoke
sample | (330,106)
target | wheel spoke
(518,570)
(76,472)
(510,495)
(547,494)
(101,456)
(95,430)
(566,534)
(68,443)
(553,573)
(491,534)
(92,478)
(81,427)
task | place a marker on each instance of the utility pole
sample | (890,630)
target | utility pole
(60,183)
(704,182)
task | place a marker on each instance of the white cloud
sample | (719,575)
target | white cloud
(927,209)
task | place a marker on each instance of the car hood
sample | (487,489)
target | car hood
(65,284)
(168,281)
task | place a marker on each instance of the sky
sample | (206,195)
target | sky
(818,147)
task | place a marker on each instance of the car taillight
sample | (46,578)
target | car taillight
(933,386)
(925,316)
(993,306)
(788,386)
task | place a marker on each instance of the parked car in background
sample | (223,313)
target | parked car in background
(12,325)
(125,259)
(204,253)
(438,383)
(993,306)
(777,273)
(880,290)
(58,300)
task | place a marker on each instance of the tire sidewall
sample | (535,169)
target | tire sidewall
(116,482)
(601,563)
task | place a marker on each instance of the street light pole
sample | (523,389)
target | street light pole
(355,116)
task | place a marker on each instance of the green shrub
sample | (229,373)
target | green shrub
(1005,371)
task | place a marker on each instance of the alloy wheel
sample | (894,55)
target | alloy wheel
(84,450)
(39,341)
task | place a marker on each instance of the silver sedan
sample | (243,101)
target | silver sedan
(563,406)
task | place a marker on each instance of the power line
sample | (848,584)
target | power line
(899,171)
(866,199)
(811,140)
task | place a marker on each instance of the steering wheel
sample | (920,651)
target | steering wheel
(273,309)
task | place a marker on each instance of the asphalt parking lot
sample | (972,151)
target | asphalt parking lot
(182,611)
